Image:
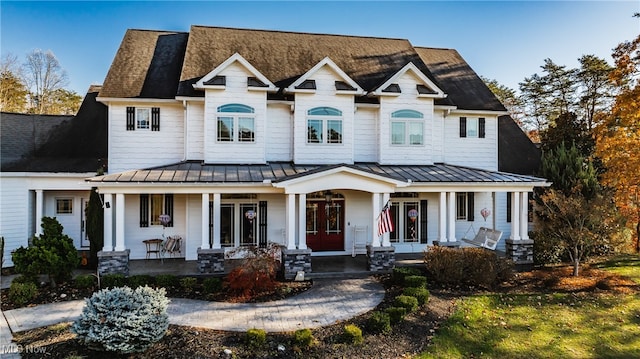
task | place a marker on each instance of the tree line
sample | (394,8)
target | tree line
(36,85)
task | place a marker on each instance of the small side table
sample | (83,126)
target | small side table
(153,246)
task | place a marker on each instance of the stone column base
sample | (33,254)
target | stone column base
(113,262)
(294,261)
(380,258)
(455,244)
(211,260)
(520,251)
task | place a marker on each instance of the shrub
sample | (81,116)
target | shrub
(123,320)
(415,281)
(396,314)
(379,322)
(421,294)
(22,293)
(51,253)
(212,285)
(86,281)
(399,273)
(256,338)
(406,302)
(303,338)
(352,334)
(25,279)
(167,281)
(140,280)
(256,274)
(188,283)
(113,280)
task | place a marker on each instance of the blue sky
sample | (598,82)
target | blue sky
(502,40)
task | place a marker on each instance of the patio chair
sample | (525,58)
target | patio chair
(485,238)
(172,245)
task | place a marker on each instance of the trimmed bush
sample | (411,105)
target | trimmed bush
(352,334)
(123,320)
(256,338)
(188,283)
(212,285)
(396,314)
(85,281)
(167,281)
(379,322)
(399,273)
(406,302)
(421,294)
(113,281)
(415,281)
(22,293)
(303,338)
(140,280)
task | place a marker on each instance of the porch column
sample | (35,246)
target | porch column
(216,221)
(204,244)
(442,219)
(39,211)
(108,222)
(385,237)
(515,216)
(524,215)
(375,206)
(302,221)
(291,220)
(119,222)
(451,208)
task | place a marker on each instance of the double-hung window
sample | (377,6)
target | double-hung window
(143,118)
(324,125)
(235,123)
(407,128)
(465,206)
(472,127)
(152,206)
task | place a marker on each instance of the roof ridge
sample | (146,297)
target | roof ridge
(435,48)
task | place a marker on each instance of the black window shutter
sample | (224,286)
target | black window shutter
(481,127)
(423,221)
(155,119)
(463,127)
(508,207)
(470,205)
(210,222)
(168,207)
(131,118)
(262,223)
(144,210)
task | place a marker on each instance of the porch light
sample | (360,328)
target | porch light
(328,196)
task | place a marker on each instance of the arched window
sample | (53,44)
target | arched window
(234,123)
(407,128)
(324,125)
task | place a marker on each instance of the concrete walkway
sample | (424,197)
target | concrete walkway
(325,303)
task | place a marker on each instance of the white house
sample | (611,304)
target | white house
(248,137)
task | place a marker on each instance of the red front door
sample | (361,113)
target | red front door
(325,225)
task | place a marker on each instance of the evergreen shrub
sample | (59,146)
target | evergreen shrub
(140,280)
(415,281)
(122,320)
(421,294)
(396,314)
(303,338)
(399,273)
(85,281)
(113,280)
(188,283)
(352,334)
(22,293)
(167,281)
(407,302)
(379,322)
(212,285)
(256,338)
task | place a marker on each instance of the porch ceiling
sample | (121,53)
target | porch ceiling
(274,172)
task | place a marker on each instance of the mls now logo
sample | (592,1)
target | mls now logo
(17,348)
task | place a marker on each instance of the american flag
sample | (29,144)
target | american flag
(385,222)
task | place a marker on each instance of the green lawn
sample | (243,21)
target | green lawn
(585,325)
(626,265)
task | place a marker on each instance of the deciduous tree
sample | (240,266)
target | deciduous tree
(44,76)
(13,93)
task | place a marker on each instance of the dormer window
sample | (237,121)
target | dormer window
(407,128)
(307,85)
(235,123)
(324,125)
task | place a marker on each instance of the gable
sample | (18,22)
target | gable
(239,66)
(424,87)
(341,82)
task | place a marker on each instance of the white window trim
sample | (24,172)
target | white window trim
(476,122)
(407,136)
(325,130)
(148,111)
(235,136)
(70,199)
(400,224)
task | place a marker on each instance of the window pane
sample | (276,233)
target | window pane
(226,225)
(472,127)
(314,131)
(394,235)
(461,206)
(235,107)
(415,133)
(312,218)
(248,229)
(406,114)
(246,129)
(142,118)
(333,214)
(411,221)
(225,128)
(64,206)
(324,111)
(397,133)
(335,131)
(157,207)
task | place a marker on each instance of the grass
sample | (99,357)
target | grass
(537,325)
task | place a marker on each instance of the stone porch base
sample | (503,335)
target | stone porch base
(380,259)
(113,262)
(210,260)
(294,261)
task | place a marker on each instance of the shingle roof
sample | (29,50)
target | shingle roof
(160,64)
(198,172)
(516,152)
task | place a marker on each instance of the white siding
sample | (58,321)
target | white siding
(193,231)
(70,222)
(235,91)
(279,133)
(406,155)
(324,95)
(145,148)
(437,137)
(366,135)
(472,152)
(195,131)
(14,211)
